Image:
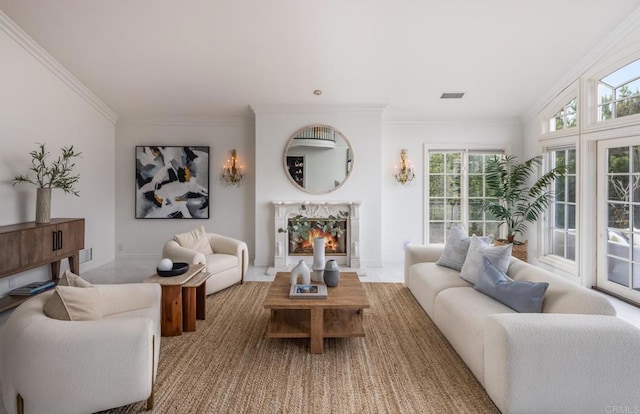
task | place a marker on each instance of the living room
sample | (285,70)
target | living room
(108,78)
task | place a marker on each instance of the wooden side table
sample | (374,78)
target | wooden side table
(172,302)
(194,296)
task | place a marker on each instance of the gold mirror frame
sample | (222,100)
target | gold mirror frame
(312,148)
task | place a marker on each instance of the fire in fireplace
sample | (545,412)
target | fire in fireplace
(333,245)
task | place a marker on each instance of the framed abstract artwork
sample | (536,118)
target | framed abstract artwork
(172,182)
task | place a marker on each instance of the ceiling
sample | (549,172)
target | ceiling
(213,58)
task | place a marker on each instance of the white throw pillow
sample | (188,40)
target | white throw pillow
(70,303)
(71,279)
(499,256)
(196,239)
(455,250)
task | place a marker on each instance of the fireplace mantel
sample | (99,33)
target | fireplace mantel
(316,209)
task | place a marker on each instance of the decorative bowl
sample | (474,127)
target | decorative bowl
(178,269)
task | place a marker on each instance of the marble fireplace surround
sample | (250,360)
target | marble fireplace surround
(283,210)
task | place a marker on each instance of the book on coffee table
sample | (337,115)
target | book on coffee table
(308,291)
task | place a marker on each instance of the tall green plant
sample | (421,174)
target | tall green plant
(511,198)
(58,174)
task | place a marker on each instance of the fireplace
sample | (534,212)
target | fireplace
(344,249)
(334,244)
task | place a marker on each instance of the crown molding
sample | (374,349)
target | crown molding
(49,62)
(490,121)
(317,108)
(590,59)
(224,121)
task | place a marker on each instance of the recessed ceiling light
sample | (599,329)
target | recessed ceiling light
(452,95)
(317,92)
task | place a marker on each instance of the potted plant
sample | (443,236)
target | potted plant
(515,197)
(57,174)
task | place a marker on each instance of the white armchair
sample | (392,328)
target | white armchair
(228,264)
(56,366)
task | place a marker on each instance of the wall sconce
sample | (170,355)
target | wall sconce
(232,173)
(406,173)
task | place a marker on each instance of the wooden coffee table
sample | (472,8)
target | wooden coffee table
(183,300)
(338,316)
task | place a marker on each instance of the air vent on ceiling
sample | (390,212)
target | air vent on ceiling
(452,95)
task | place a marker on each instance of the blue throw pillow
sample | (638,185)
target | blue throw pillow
(519,296)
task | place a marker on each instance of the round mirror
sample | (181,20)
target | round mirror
(318,159)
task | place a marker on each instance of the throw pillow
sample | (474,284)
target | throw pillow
(71,279)
(520,296)
(455,249)
(69,303)
(500,256)
(196,239)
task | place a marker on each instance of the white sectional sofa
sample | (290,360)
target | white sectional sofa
(574,357)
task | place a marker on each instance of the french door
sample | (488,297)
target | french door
(619,217)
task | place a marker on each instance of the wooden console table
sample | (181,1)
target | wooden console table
(29,245)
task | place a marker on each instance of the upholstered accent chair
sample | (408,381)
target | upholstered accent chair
(226,258)
(95,361)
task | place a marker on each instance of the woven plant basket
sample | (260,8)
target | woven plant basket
(519,249)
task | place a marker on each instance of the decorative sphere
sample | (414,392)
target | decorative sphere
(165,264)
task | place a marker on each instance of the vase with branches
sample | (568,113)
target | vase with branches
(57,174)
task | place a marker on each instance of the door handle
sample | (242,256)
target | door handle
(59,239)
(54,240)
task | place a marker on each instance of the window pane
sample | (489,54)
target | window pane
(618,160)
(559,216)
(436,163)
(476,228)
(559,192)
(604,112)
(453,186)
(618,271)
(623,74)
(475,186)
(436,232)
(618,216)
(571,188)
(630,89)
(475,164)
(436,186)
(436,209)
(571,162)
(571,216)
(475,210)
(453,210)
(618,187)
(628,107)
(605,94)
(558,243)
(453,162)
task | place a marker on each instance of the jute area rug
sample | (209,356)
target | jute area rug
(403,365)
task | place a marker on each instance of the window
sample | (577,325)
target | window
(619,93)
(456,181)
(562,211)
(567,117)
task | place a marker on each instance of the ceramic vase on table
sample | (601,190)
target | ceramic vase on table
(331,273)
(300,270)
(43,205)
(318,259)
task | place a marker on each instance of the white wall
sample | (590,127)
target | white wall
(403,205)
(230,208)
(37,106)
(362,127)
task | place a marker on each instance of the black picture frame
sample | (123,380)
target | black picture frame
(172,182)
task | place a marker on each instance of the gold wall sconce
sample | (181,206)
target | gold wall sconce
(232,171)
(405,174)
